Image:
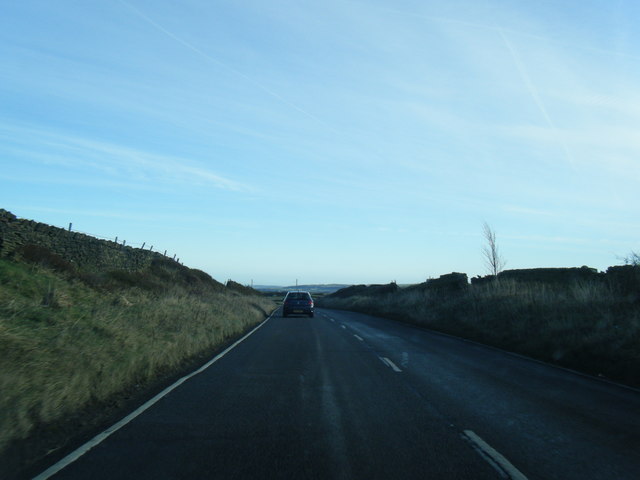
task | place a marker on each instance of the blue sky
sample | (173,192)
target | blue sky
(328,141)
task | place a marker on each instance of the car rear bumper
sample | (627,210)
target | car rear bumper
(297,311)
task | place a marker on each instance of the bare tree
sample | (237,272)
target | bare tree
(493,260)
(632,259)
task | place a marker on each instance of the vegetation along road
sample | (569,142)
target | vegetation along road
(347,395)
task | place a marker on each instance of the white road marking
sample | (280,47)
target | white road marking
(493,457)
(390,364)
(332,319)
(393,366)
(76,454)
(359,337)
(342,326)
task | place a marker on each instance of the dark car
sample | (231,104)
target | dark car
(297,302)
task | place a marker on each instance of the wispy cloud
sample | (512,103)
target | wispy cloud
(612,148)
(531,211)
(224,65)
(552,241)
(50,147)
(535,95)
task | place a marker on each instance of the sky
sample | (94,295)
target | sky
(328,141)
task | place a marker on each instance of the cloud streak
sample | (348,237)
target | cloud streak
(227,67)
(73,152)
(535,95)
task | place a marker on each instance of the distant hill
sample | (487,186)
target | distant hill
(323,288)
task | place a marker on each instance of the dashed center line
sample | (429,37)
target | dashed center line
(342,326)
(493,457)
(358,337)
(390,364)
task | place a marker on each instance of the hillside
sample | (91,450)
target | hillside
(86,326)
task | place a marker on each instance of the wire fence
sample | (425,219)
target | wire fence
(124,243)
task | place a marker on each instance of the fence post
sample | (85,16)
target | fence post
(174,256)
(165,253)
(142,247)
(116,240)
(70,226)
(124,242)
(151,248)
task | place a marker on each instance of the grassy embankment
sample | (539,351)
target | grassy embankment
(69,339)
(588,327)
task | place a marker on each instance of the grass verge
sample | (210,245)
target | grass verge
(68,343)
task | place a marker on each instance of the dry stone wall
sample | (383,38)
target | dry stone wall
(84,251)
(366,290)
(450,282)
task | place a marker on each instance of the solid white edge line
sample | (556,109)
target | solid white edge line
(393,366)
(358,337)
(384,360)
(494,455)
(76,454)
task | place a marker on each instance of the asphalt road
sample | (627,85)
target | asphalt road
(345,395)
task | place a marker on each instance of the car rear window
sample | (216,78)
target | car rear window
(298,296)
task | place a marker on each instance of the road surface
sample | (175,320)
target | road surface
(346,395)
